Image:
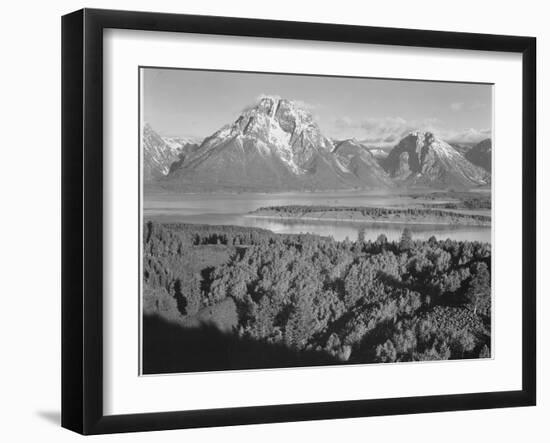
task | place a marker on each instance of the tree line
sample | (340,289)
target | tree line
(373,212)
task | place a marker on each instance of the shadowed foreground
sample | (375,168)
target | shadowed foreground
(169,348)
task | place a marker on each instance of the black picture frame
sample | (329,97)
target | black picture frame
(82,220)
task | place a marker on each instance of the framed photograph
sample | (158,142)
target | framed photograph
(269,221)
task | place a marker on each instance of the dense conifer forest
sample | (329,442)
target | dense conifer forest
(435,214)
(319,300)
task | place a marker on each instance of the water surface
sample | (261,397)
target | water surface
(230,209)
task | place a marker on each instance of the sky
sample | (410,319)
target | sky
(178,102)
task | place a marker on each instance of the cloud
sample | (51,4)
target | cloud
(457,106)
(299,103)
(470,135)
(383,132)
(388,131)
(304,105)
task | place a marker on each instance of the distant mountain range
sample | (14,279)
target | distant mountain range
(276,145)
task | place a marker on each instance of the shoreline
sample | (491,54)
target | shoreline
(393,191)
(353,220)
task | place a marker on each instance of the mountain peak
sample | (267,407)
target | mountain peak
(291,115)
(422,158)
(425,137)
(277,126)
(267,102)
(157,154)
(274,144)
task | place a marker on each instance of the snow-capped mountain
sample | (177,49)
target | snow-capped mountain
(273,145)
(158,156)
(480,154)
(422,159)
(276,145)
(160,153)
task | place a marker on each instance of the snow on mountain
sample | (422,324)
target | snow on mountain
(280,128)
(379,153)
(274,145)
(158,156)
(422,159)
(161,154)
(182,142)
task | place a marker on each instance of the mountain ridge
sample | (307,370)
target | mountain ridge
(276,145)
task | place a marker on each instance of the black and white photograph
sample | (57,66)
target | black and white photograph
(275,222)
(301,220)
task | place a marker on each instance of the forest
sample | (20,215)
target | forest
(458,199)
(432,214)
(326,301)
